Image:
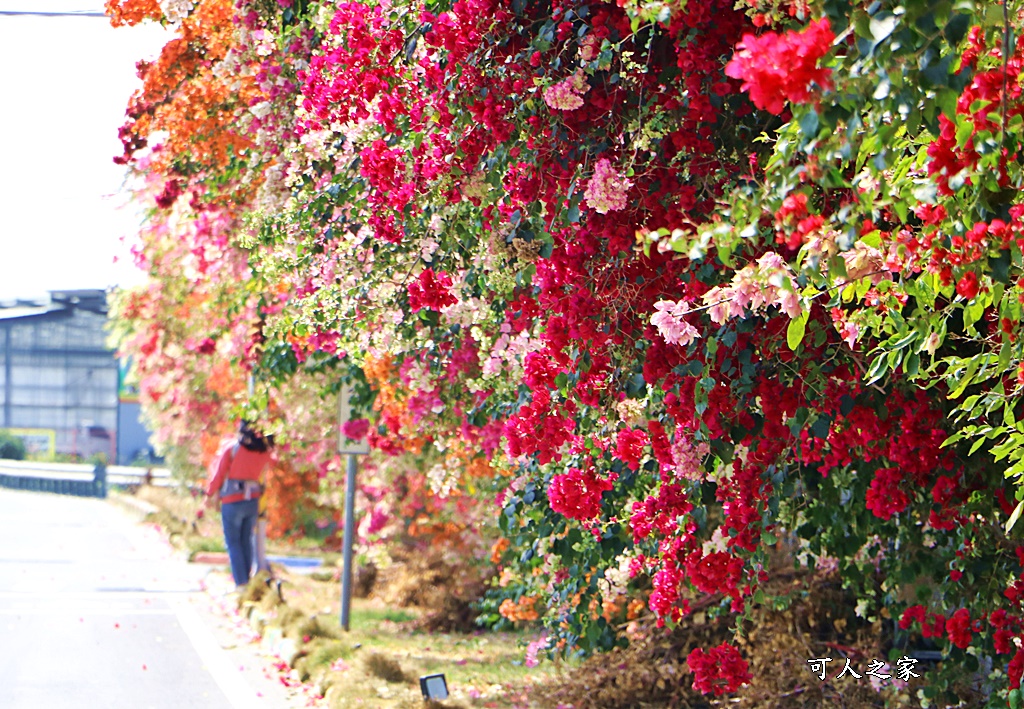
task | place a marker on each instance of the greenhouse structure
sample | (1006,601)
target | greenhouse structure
(59,381)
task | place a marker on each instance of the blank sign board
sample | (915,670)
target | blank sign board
(434,687)
(347,445)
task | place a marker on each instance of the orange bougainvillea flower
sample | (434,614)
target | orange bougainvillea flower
(286,489)
(498,548)
(132,12)
(226,379)
(523,610)
(183,94)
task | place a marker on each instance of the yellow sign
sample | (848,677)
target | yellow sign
(37,440)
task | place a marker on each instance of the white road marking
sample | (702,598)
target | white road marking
(50,611)
(238,692)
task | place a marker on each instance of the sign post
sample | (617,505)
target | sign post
(262,564)
(347,446)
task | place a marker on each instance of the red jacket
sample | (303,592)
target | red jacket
(237,463)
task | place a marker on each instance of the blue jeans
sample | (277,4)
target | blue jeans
(239,523)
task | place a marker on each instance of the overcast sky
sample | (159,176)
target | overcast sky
(63,90)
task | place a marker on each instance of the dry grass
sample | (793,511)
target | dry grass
(183,519)
(384,667)
(378,662)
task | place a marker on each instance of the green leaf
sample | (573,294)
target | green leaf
(1004,449)
(795,331)
(881,27)
(877,369)
(956,28)
(977,444)
(913,365)
(937,75)
(1014,471)
(882,90)
(873,238)
(1009,525)
(955,438)
(972,369)
(972,314)
(1000,269)
(809,124)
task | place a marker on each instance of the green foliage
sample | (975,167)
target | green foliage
(199,545)
(11,446)
(866,198)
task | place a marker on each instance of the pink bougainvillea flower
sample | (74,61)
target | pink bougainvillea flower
(567,95)
(606,190)
(776,68)
(670,323)
(356,429)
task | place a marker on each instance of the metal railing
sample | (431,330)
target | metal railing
(82,480)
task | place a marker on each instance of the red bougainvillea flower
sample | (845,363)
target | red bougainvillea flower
(968,285)
(910,615)
(884,497)
(779,67)
(959,628)
(629,446)
(719,671)
(207,346)
(934,627)
(717,572)
(1015,671)
(577,494)
(167,198)
(431,291)
(944,489)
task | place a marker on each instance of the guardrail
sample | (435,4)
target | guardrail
(76,479)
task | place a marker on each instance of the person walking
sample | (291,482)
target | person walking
(236,483)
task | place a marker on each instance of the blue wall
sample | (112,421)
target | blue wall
(132,436)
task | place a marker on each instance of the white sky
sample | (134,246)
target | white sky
(64,87)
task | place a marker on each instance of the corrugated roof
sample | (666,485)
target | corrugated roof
(29,311)
(59,302)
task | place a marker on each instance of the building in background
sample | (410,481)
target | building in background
(59,381)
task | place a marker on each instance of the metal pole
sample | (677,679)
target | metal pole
(8,384)
(350,529)
(260,533)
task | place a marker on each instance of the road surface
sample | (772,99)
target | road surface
(96,612)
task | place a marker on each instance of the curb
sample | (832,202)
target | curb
(215,558)
(139,509)
(272,639)
(253,626)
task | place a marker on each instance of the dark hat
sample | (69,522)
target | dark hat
(251,438)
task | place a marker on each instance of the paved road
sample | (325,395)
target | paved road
(97,613)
